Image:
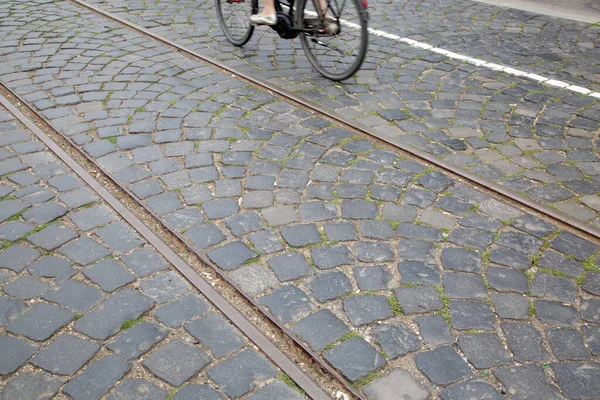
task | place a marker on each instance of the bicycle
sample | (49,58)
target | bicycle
(333,33)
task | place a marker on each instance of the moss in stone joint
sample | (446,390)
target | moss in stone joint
(365,380)
(531,309)
(285,378)
(131,322)
(395,306)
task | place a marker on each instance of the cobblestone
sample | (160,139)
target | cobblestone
(66,311)
(302,149)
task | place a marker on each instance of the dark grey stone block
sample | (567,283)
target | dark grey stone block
(193,392)
(464,286)
(217,334)
(40,322)
(372,278)
(276,390)
(326,257)
(239,374)
(17,257)
(176,362)
(399,212)
(416,250)
(97,378)
(44,213)
(164,286)
(144,262)
(578,380)
(396,339)
(32,385)
(146,189)
(373,252)
(418,197)
(555,288)
(179,311)
(231,255)
(507,280)
(320,329)
(74,295)
(567,344)
(84,251)
(26,287)
(461,259)
(52,267)
(301,235)
(510,258)
(398,384)
(434,329)
(474,389)
(484,350)
(137,389)
(340,231)
(525,341)
(358,209)
(11,207)
(14,230)
(119,237)
(354,358)
(15,352)
(104,321)
(442,365)
(471,238)
(510,306)
(417,272)
(10,309)
(533,225)
(591,282)
(366,309)
(287,303)
(317,211)
(555,313)
(556,261)
(164,203)
(137,340)
(573,245)
(109,275)
(205,236)
(466,314)
(419,299)
(266,241)
(65,355)
(527,382)
(289,266)
(329,285)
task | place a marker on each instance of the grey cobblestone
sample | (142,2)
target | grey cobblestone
(464,89)
(84,325)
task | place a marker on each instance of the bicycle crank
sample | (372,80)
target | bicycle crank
(320,43)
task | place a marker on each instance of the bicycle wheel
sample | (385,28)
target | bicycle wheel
(335,46)
(234,18)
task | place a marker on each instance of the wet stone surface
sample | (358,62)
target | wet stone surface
(385,242)
(81,328)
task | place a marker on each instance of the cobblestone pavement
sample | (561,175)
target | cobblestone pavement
(537,140)
(87,307)
(405,280)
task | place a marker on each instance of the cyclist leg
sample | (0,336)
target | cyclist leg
(267,16)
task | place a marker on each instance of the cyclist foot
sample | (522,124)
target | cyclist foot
(259,19)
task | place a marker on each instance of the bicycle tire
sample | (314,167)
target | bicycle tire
(321,54)
(236,12)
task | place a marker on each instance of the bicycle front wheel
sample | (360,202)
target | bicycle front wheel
(234,18)
(335,45)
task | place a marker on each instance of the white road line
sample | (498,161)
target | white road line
(481,63)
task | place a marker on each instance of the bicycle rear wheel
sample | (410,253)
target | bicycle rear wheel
(234,18)
(335,46)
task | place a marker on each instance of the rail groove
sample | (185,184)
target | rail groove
(504,193)
(307,384)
